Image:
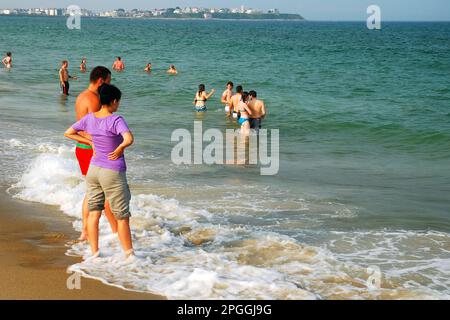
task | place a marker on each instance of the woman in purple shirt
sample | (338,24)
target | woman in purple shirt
(106,178)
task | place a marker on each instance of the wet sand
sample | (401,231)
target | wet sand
(33,263)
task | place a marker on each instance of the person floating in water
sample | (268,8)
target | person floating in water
(64,77)
(258,109)
(83,65)
(172,70)
(106,178)
(7,61)
(245,114)
(118,65)
(201,97)
(89,101)
(234,101)
(148,68)
(226,96)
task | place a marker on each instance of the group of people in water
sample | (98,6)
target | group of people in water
(241,105)
(245,107)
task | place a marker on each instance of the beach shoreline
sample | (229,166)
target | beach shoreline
(33,243)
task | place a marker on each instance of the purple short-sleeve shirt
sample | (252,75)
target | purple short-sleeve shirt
(107,136)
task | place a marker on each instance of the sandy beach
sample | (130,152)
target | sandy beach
(33,240)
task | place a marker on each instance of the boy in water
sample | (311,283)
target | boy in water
(106,178)
(258,109)
(64,77)
(226,96)
(234,101)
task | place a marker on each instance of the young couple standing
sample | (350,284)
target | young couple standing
(102,138)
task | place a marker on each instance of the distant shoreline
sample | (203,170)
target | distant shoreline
(294,18)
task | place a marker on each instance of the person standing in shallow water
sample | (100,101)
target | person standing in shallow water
(118,65)
(201,97)
(226,96)
(64,77)
(258,109)
(7,61)
(234,101)
(106,178)
(83,68)
(89,101)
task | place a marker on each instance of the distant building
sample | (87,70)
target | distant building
(273,11)
(207,16)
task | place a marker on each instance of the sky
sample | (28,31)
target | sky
(336,10)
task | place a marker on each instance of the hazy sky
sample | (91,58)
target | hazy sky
(310,9)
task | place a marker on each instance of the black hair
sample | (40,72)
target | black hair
(253,94)
(230,84)
(108,94)
(99,72)
(201,89)
(239,89)
(119,58)
(8,54)
(245,96)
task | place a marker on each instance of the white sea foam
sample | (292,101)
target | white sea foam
(184,252)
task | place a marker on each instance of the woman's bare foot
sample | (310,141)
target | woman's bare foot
(129,253)
(83,237)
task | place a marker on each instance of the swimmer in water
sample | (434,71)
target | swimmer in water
(83,65)
(64,77)
(148,68)
(172,70)
(201,97)
(7,61)
(118,65)
(234,101)
(245,112)
(226,96)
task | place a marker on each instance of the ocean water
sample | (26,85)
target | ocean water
(364,180)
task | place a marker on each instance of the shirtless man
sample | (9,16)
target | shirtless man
(118,65)
(258,109)
(64,77)
(89,101)
(234,101)
(226,96)
(7,61)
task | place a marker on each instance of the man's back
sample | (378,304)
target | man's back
(258,108)
(87,102)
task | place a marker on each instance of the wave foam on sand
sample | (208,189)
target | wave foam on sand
(187,253)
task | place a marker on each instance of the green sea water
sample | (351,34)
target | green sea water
(364,179)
